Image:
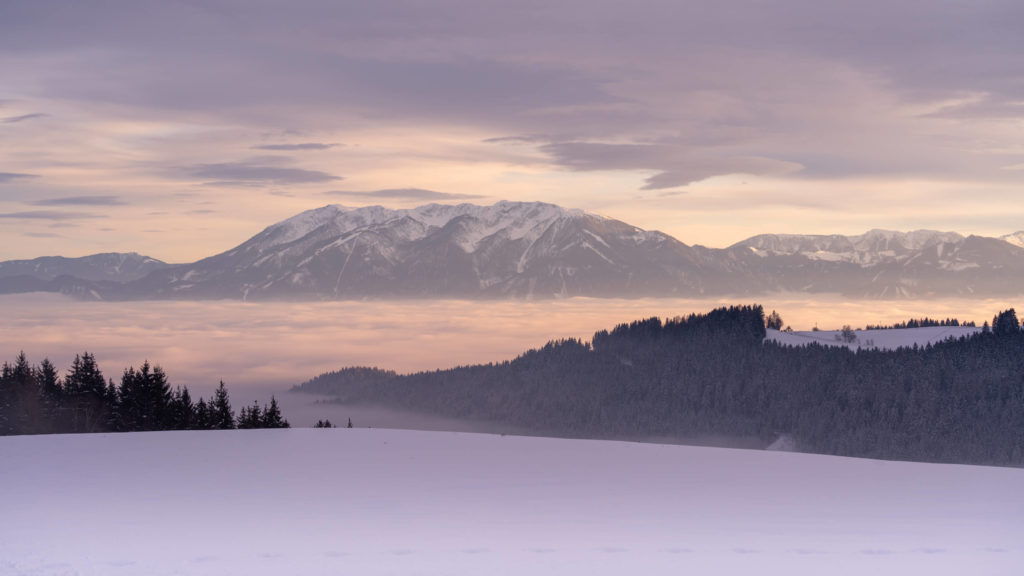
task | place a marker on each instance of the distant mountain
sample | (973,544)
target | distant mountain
(85,277)
(112,266)
(533,250)
(1017,238)
(508,250)
(886,264)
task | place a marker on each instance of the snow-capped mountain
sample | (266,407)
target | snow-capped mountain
(75,276)
(113,266)
(1017,238)
(869,249)
(887,264)
(510,249)
(533,250)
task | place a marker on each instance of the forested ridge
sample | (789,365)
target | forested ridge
(714,374)
(34,399)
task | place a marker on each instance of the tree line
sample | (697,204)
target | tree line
(920,323)
(714,374)
(34,399)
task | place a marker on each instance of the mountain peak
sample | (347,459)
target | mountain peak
(1017,239)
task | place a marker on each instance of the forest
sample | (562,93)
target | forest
(714,375)
(34,399)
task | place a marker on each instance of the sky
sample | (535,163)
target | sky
(178,129)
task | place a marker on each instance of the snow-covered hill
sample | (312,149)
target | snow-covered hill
(882,339)
(366,502)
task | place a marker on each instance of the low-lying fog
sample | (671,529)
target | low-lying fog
(267,347)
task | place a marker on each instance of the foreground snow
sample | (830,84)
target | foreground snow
(367,502)
(884,339)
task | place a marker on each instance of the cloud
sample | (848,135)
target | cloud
(12,176)
(81,201)
(677,165)
(525,139)
(235,173)
(42,235)
(49,215)
(22,118)
(302,146)
(406,194)
(987,107)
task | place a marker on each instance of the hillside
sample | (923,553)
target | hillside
(376,502)
(716,375)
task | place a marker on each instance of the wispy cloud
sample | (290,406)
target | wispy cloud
(12,176)
(526,139)
(302,146)
(677,165)
(252,173)
(101,200)
(49,215)
(23,117)
(405,194)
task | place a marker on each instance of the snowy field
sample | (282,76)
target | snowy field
(884,339)
(368,501)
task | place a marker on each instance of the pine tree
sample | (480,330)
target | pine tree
(250,417)
(222,417)
(272,416)
(182,411)
(52,393)
(1005,322)
(25,399)
(202,419)
(85,390)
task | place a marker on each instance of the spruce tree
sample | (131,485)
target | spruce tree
(85,390)
(222,417)
(250,417)
(272,416)
(202,419)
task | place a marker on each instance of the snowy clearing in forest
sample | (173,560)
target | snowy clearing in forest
(889,339)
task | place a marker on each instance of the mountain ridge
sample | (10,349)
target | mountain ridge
(536,250)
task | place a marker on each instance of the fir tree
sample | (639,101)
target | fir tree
(250,417)
(272,416)
(182,411)
(85,390)
(221,416)
(202,419)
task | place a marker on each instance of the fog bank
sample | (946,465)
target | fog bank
(271,345)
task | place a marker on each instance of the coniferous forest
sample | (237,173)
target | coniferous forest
(715,375)
(36,400)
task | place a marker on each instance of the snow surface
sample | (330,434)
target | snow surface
(370,501)
(883,339)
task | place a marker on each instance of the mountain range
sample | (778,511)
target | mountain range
(532,250)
